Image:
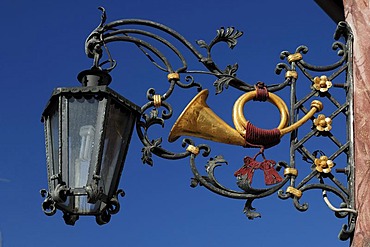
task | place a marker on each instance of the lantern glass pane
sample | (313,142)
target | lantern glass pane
(81,206)
(118,133)
(81,137)
(84,127)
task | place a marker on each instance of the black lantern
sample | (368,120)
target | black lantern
(87,134)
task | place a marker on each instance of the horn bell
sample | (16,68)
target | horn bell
(198,120)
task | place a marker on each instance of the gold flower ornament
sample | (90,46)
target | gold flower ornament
(322,123)
(323,164)
(321,83)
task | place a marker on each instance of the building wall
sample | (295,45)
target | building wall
(357,14)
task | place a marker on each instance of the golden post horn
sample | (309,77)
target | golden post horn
(198,120)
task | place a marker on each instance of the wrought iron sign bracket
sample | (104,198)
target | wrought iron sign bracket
(299,118)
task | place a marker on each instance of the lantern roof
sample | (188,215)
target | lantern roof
(103,91)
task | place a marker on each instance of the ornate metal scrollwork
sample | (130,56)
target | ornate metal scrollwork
(320,177)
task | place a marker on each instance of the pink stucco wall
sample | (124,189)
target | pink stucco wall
(357,13)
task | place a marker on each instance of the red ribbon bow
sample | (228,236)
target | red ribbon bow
(267,166)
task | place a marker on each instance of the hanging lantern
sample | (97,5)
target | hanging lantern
(87,134)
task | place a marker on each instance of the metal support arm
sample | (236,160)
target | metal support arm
(320,81)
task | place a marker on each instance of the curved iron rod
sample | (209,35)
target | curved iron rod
(156,37)
(173,33)
(231,193)
(144,44)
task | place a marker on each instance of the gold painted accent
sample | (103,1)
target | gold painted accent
(238,115)
(294,57)
(173,76)
(290,171)
(240,121)
(323,164)
(193,149)
(157,100)
(291,74)
(323,123)
(316,106)
(321,83)
(198,120)
(294,191)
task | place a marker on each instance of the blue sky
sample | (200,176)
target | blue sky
(43,48)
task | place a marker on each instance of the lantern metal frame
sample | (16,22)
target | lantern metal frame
(55,198)
(96,47)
